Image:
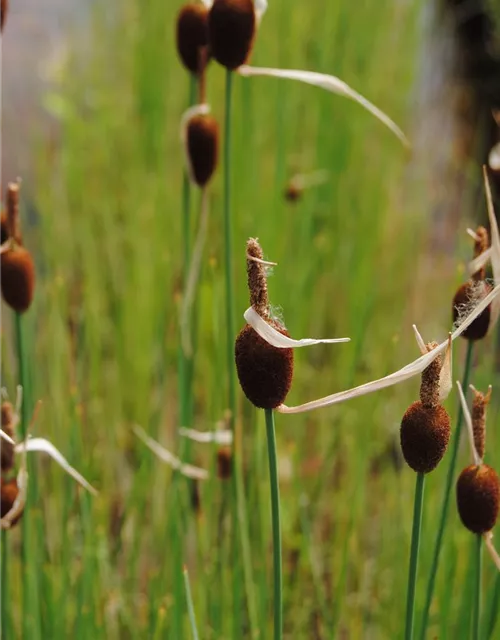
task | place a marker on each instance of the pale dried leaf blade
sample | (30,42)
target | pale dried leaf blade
(468,422)
(277,339)
(43,445)
(479,262)
(222,436)
(494,233)
(488,538)
(420,340)
(494,158)
(329,83)
(445,382)
(6,437)
(412,369)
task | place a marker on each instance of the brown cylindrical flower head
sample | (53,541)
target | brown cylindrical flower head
(473,291)
(479,406)
(429,386)
(6,448)
(224,463)
(192,36)
(265,372)
(425,433)
(478,498)
(202,141)
(3,15)
(9,491)
(17,278)
(231,28)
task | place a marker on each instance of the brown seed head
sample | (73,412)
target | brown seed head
(479,405)
(202,147)
(6,448)
(478,498)
(17,278)
(192,36)
(5,233)
(265,372)
(3,15)
(224,463)
(257,278)
(9,491)
(429,386)
(425,433)
(467,293)
(231,28)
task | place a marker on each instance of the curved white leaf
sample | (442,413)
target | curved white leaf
(221,436)
(420,340)
(329,83)
(169,458)
(488,538)
(277,339)
(414,368)
(43,445)
(6,437)
(445,383)
(494,158)
(468,421)
(479,262)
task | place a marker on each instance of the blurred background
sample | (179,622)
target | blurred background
(92,97)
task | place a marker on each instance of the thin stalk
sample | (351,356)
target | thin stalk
(494,607)
(275,510)
(415,544)
(446,497)
(476,613)
(4,611)
(189,598)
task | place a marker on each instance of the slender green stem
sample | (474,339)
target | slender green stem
(228,249)
(189,598)
(415,544)
(22,373)
(494,607)
(4,611)
(275,509)
(476,614)
(446,497)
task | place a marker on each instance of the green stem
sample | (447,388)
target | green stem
(275,509)
(446,497)
(22,378)
(494,607)
(415,543)
(4,611)
(189,598)
(477,589)
(228,249)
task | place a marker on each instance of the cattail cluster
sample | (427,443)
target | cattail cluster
(478,486)
(17,267)
(472,290)
(265,372)
(425,427)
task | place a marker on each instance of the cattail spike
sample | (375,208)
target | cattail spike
(257,278)
(12,204)
(479,406)
(429,386)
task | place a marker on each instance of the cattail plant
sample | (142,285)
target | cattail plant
(192,37)
(475,289)
(264,362)
(478,492)
(4,7)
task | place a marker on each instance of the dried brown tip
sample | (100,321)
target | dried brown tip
(478,498)
(192,37)
(479,405)
(265,372)
(12,206)
(425,433)
(231,28)
(3,15)
(257,278)
(6,448)
(17,278)
(481,243)
(224,463)
(9,491)
(429,386)
(202,147)
(465,295)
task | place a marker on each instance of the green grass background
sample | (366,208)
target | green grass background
(103,340)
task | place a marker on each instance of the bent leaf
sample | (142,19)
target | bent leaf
(468,421)
(222,436)
(329,83)
(277,339)
(6,437)
(414,368)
